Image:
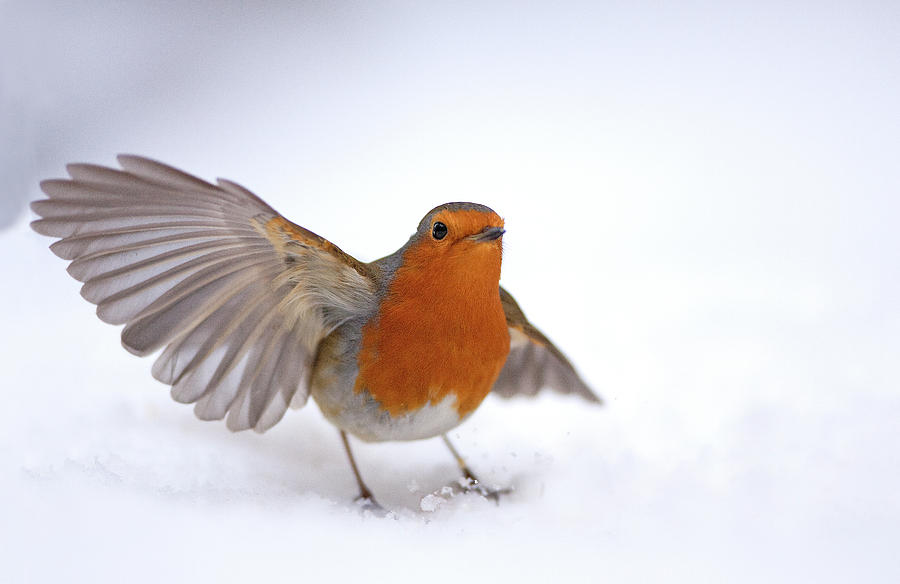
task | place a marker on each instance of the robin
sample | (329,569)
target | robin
(255,313)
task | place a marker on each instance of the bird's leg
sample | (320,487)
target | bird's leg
(365,497)
(472,482)
(467,473)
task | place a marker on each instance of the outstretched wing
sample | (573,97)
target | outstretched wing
(534,363)
(238,295)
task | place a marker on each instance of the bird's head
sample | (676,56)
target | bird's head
(462,241)
(459,228)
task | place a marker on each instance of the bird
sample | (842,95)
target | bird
(254,314)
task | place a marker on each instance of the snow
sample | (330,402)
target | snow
(701,206)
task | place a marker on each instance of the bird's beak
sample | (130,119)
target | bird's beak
(488,234)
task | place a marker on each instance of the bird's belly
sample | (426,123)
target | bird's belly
(357,412)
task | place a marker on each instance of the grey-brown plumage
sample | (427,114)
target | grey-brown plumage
(534,363)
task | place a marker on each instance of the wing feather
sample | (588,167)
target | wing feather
(250,310)
(238,296)
(534,363)
(83,244)
(119,300)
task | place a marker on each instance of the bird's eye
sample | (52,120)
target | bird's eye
(439,231)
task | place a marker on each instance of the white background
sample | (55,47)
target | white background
(702,209)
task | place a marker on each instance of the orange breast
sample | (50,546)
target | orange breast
(440,330)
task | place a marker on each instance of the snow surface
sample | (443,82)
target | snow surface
(702,208)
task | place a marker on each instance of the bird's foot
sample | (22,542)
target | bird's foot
(367,503)
(470,484)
